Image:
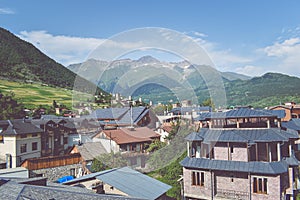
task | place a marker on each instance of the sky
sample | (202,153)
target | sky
(249,37)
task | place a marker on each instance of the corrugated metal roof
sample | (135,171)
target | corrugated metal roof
(134,183)
(14,190)
(242,135)
(194,136)
(271,168)
(183,110)
(110,113)
(293,124)
(237,113)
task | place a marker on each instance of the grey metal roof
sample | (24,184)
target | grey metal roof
(137,114)
(91,150)
(194,136)
(242,135)
(110,113)
(12,190)
(278,113)
(237,113)
(291,161)
(19,126)
(122,116)
(293,124)
(182,110)
(86,177)
(134,183)
(271,168)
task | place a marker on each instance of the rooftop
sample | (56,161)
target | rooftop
(239,113)
(91,150)
(242,135)
(12,190)
(124,135)
(129,181)
(271,168)
(18,126)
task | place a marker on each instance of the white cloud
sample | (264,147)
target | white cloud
(64,49)
(286,48)
(285,55)
(251,70)
(6,11)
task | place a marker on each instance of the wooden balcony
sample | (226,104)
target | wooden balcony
(51,161)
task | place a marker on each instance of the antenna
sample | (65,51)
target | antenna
(131,120)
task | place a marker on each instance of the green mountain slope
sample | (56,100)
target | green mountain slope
(21,61)
(269,89)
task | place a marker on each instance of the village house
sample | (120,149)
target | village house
(128,139)
(88,152)
(123,182)
(291,109)
(130,142)
(19,140)
(241,154)
(122,117)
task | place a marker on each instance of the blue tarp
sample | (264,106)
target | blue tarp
(65,179)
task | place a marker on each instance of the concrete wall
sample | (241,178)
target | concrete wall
(8,146)
(29,153)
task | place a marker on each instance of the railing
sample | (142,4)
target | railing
(232,194)
(51,161)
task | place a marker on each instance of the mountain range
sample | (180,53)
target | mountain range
(21,61)
(161,81)
(146,77)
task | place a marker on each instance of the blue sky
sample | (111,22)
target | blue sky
(249,37)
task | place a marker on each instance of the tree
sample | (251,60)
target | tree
(208,102)
(10,108)
(155,145)
(108,161)
(175,128)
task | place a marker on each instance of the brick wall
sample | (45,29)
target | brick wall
(274,191)
(221,153)
(232,181)
(239,153)
(203,192)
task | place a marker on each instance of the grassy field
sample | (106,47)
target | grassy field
(33,95)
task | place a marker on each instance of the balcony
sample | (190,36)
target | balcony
(232,194)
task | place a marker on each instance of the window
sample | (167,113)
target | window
(198,178)
(260,185)
(1,139)
(65,140)
(231,149)
(34,146)
(34,134)
(23,148)
(23,136)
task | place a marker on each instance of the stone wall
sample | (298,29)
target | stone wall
(52,174)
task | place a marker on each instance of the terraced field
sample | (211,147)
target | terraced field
(35,94)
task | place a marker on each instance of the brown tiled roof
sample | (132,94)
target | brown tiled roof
(124,135)
(167,128)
